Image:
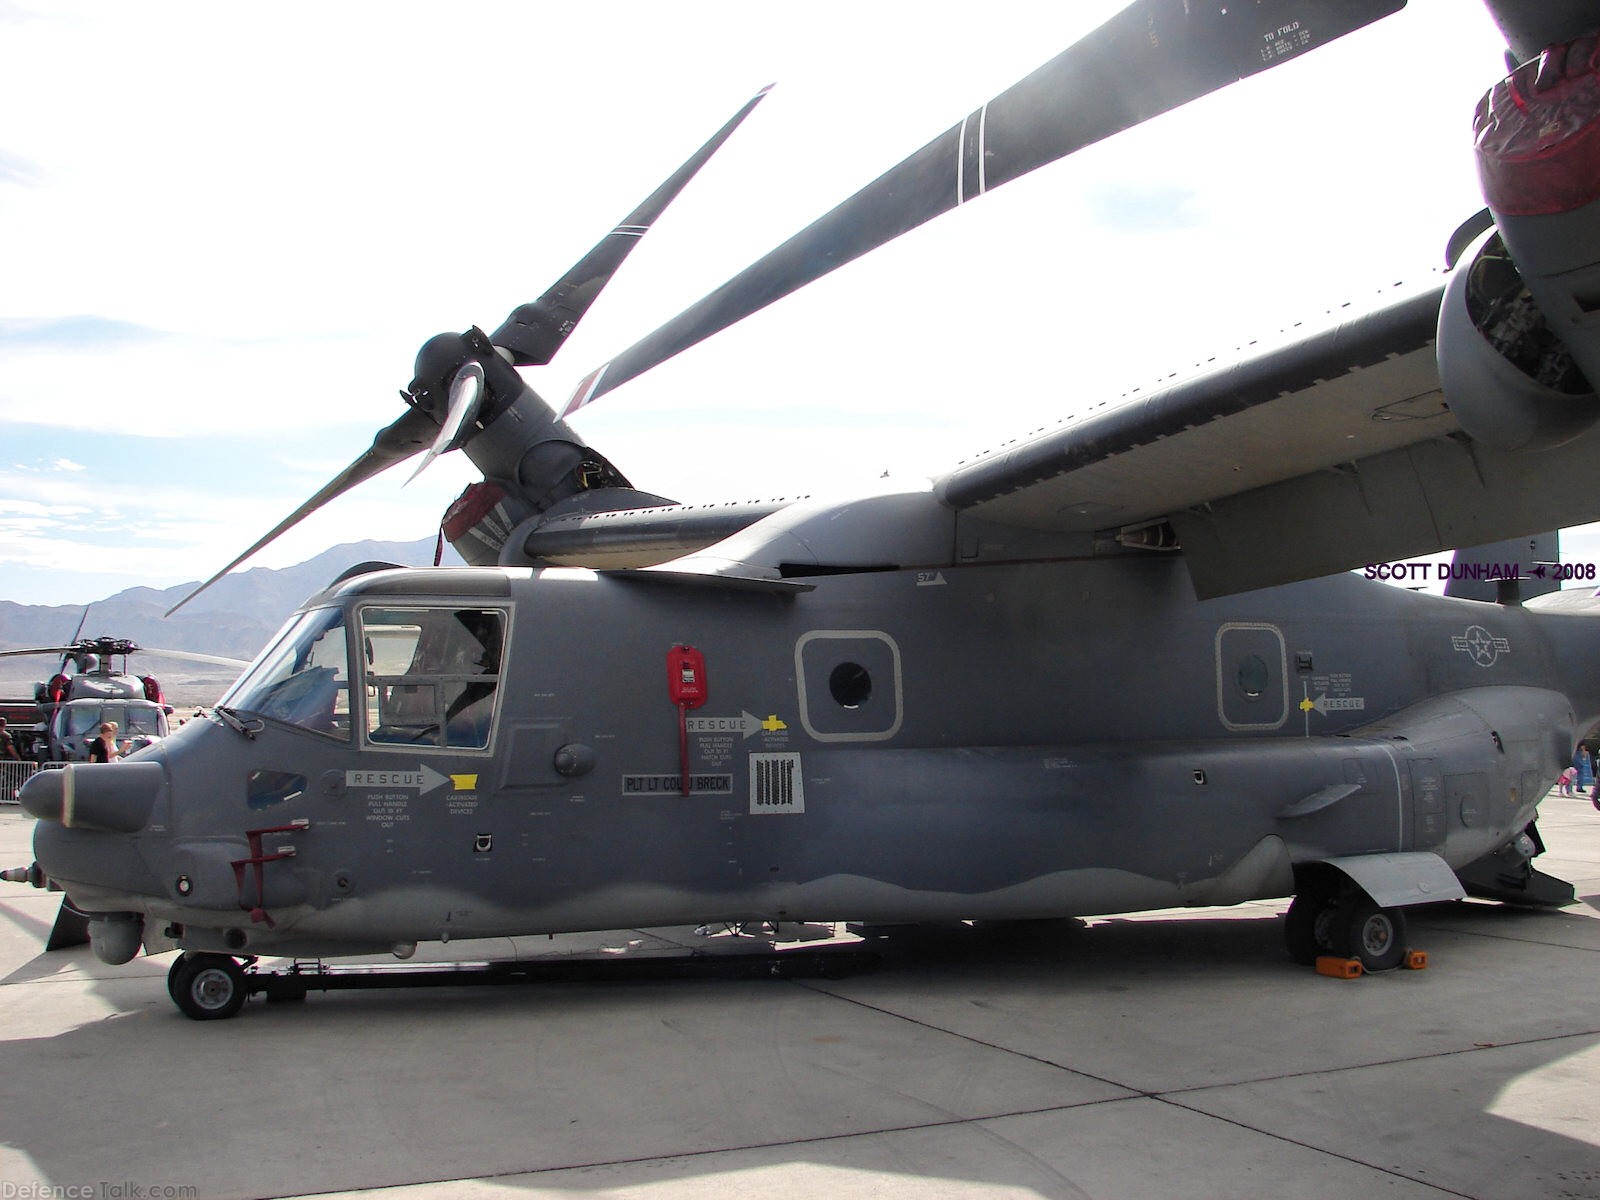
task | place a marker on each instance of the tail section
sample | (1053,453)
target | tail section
(1508,572)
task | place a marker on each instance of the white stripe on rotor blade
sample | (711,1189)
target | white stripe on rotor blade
(584,392)
(983,130)
(979,156)
(961,161)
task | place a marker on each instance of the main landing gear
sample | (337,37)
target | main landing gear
(1331,919)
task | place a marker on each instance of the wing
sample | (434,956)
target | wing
(1337,448)
(1330,451)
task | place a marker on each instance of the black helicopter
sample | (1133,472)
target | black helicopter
(92,685)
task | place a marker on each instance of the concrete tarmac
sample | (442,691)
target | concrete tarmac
(1160,1055)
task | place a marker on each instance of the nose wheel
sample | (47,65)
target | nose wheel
(207,987)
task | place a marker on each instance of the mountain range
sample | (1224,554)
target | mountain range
(234,617)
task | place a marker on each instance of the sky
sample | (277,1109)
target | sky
(226,229)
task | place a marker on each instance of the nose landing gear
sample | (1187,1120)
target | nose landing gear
(207,987)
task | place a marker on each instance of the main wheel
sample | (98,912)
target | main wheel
(1306,926)
(207,987)
(1376,936)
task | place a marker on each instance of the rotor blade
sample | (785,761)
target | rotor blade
(534,332)
(1150,58)
(395,443)
(101,646)
(39,650)
(466,398)
(76,634)
(212,660)
(216,660)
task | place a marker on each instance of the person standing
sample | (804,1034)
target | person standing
(1584,762)
(104,748)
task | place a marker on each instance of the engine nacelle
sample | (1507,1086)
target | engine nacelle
(533,462)
(1509,380)
(1519,345)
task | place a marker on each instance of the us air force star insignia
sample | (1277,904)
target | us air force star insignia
(1482,645)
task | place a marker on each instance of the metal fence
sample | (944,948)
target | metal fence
(15,775)
(12,776)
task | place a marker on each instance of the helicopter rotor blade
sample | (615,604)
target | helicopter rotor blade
(466,398)
(66,653)
(194,656)
(410,434)
(216,660)
(1148,59)
(530,336)
(39,650)
(534,332)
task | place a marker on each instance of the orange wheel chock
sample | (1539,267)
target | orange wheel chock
(1339,968)
(1416,960)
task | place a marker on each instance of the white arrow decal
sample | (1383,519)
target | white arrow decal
(745,723)
(1326,704)
(423,780)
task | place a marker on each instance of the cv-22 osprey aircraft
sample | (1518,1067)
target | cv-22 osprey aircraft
(1126,665)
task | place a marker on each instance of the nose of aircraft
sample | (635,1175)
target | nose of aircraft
(81,807)
(111,797)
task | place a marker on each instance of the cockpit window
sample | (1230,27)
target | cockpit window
(76,722)
(138,720)
(431,675)
(133,720)
(303,679)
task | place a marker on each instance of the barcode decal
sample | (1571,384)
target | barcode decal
(775,784)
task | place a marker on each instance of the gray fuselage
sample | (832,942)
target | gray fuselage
(996,741)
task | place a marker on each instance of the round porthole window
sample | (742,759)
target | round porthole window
(1252,676)
(850,685)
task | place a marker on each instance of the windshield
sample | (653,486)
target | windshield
(138,721)
(79,720)
(131,720)
(303,679)
(431,675)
